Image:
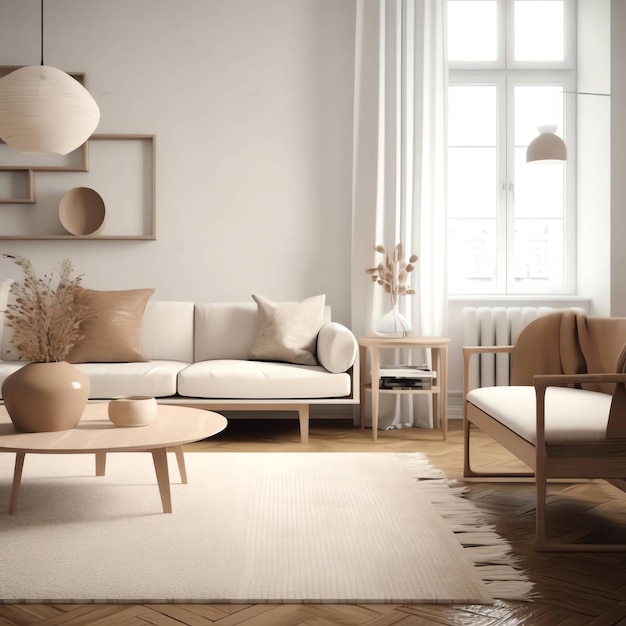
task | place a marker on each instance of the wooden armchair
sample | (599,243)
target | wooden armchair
(564,412)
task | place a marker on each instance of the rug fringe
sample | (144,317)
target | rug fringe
(491,554)
(520,591)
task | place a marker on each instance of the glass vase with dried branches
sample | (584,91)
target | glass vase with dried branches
(392,273)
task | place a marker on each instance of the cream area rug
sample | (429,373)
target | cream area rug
(248,528)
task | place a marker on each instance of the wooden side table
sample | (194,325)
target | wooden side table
(438,347)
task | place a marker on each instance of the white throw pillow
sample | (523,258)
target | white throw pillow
(337,347)
(287,331)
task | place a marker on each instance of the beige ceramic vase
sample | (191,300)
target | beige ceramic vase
(45,397)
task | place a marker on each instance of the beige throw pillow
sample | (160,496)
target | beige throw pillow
(287,331)
(112,332)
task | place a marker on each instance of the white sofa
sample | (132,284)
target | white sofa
(198,355)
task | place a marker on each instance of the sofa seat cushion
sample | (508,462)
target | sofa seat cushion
(113,380)
(571,414)
(230,378)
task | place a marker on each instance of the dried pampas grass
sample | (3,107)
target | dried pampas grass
(45,319)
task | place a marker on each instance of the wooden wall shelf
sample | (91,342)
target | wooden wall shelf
(121,167)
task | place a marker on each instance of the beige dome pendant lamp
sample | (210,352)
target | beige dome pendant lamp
(43,110)
(548,146)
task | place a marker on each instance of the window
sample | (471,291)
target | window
(510,223)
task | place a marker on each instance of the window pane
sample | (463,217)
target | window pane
(472,182)
(472,115)
(472,187)
(472,255)
(538,252)
(539,30)
(539,187)
(472,30)
(537,105)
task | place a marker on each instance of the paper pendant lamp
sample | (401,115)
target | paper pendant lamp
(45,111)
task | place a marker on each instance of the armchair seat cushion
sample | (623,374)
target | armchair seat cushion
(224,378)
(571,414)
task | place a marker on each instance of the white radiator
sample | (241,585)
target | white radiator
(494,326)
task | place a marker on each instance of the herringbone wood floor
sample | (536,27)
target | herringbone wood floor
(572,589)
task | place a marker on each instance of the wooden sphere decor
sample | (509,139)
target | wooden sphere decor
(133,411)
(82,211)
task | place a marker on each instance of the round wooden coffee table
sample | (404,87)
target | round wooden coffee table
(174,426)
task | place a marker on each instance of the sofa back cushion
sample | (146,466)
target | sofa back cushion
(167,331)
(227,330)
(224,330)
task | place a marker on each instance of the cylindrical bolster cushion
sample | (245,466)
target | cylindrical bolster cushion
(337,347)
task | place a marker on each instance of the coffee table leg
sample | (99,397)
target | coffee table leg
(101,463)
(17,480)
(178,450)
(159,456)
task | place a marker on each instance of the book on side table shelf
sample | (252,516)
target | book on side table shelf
(406,377)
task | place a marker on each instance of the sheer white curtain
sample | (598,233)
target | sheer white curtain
(399,179)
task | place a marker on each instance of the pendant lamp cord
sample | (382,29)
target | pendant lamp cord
(42,32)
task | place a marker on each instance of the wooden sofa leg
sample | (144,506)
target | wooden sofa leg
(303,412)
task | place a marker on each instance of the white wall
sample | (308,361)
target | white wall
(594,154)
(618,158)
(251,105)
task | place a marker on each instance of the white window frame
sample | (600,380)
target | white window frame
(506,47)
(567,79)
(506,74)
